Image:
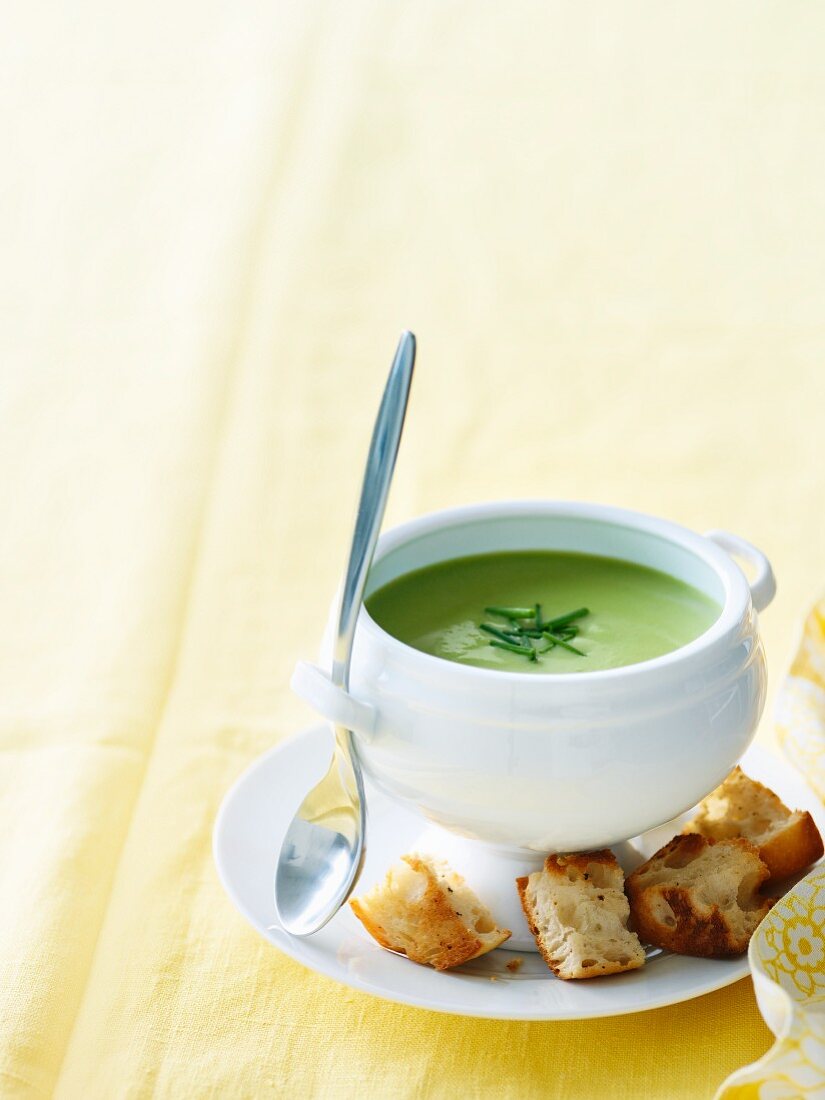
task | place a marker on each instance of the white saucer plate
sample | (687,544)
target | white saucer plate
(247,837)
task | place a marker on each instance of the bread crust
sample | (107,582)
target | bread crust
(606,966)
(793,849)
(675,915)
(560,867)
(521,886)
(788,841)
(559,862)
(426,929)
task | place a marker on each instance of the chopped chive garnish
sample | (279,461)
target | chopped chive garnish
(511,612)
(560,641)
(513,648)
(502,635)
(563,620)
(527,624)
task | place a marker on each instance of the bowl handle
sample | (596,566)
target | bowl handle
(315,687)
(763,585)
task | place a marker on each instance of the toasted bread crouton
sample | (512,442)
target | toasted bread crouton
(700,897)
(577,911)
(427,912)
(787,841)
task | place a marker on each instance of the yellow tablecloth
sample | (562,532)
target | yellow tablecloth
(606,225)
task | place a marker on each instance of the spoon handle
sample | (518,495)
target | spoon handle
(383,450)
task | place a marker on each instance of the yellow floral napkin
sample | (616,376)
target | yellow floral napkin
(787,953)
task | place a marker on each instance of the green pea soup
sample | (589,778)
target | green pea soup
(634,613)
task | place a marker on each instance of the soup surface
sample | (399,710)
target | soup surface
(633,613)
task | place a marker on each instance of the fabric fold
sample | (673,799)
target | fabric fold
(787,952)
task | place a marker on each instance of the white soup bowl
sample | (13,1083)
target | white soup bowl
(542,762)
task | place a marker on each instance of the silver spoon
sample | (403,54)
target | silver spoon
(323,850)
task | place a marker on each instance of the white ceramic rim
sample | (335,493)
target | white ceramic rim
(736,604)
